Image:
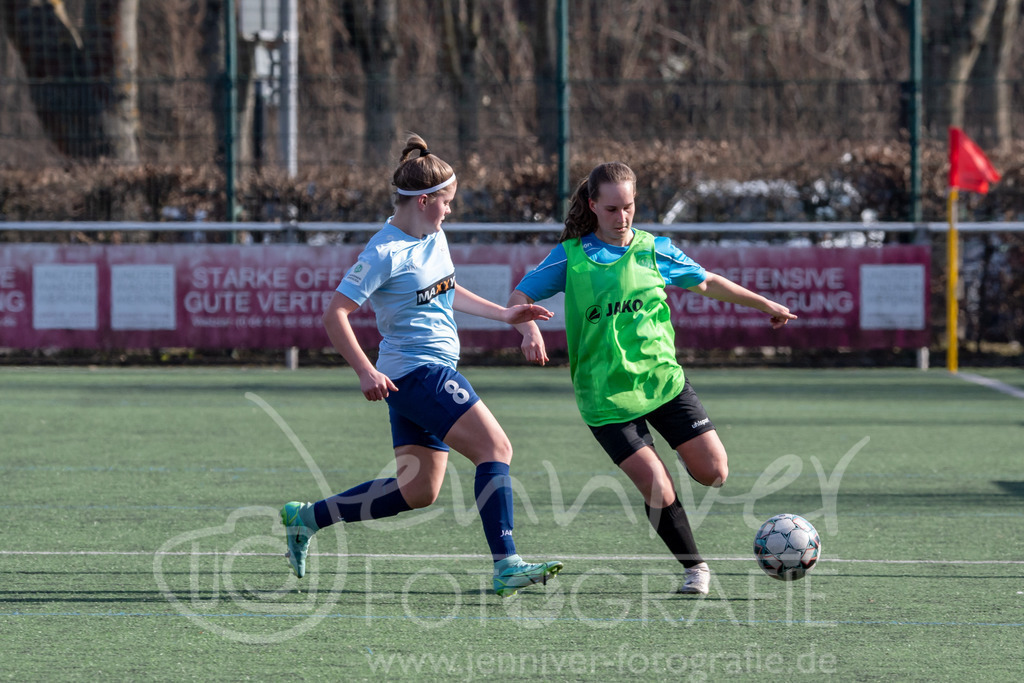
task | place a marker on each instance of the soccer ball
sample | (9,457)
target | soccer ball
(786,547)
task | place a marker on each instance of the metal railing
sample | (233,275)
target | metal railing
(664,228)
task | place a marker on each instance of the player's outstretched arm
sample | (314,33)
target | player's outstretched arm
(467,302)
(374,385)
(721,288)
(533,345)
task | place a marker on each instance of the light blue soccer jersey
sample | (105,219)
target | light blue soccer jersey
(411,284)
(548,278)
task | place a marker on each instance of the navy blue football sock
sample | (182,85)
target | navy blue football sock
(373,499)
(493,488)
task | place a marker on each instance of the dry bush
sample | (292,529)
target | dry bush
(717,181)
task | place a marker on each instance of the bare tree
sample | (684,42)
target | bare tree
(965,46)
(83,84)
(461,34)
(539,15)
(214,48)
(1003,73)
(373,28)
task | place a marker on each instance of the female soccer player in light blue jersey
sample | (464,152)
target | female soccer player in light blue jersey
(406,272)
(622,353)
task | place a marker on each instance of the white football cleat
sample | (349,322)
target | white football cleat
(698,580)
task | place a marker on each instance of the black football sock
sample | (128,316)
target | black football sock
(674,528)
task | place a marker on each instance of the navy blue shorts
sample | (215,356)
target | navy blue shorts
(429,400)
(678,421)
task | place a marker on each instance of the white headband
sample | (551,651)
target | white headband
(429,190)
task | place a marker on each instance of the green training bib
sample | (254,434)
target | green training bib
(622,353)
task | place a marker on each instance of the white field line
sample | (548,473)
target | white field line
(991,384)
(442,556)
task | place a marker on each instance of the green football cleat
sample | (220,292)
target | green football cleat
(512,573)
(297,534)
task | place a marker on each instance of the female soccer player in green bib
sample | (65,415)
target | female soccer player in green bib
(622,352)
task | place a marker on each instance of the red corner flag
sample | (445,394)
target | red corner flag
(969,168)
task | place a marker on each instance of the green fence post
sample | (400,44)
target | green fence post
(562,208)
(916,77)
(230,107)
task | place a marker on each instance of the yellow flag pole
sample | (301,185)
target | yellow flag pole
(952,277)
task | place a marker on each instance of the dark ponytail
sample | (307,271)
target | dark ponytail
(580,220)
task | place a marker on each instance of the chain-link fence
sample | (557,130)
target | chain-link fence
(729,110)
(689,91)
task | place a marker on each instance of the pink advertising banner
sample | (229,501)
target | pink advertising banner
(219,296)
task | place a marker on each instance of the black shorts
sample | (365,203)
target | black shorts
(678,421)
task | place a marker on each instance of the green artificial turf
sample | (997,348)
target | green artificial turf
(142,541)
